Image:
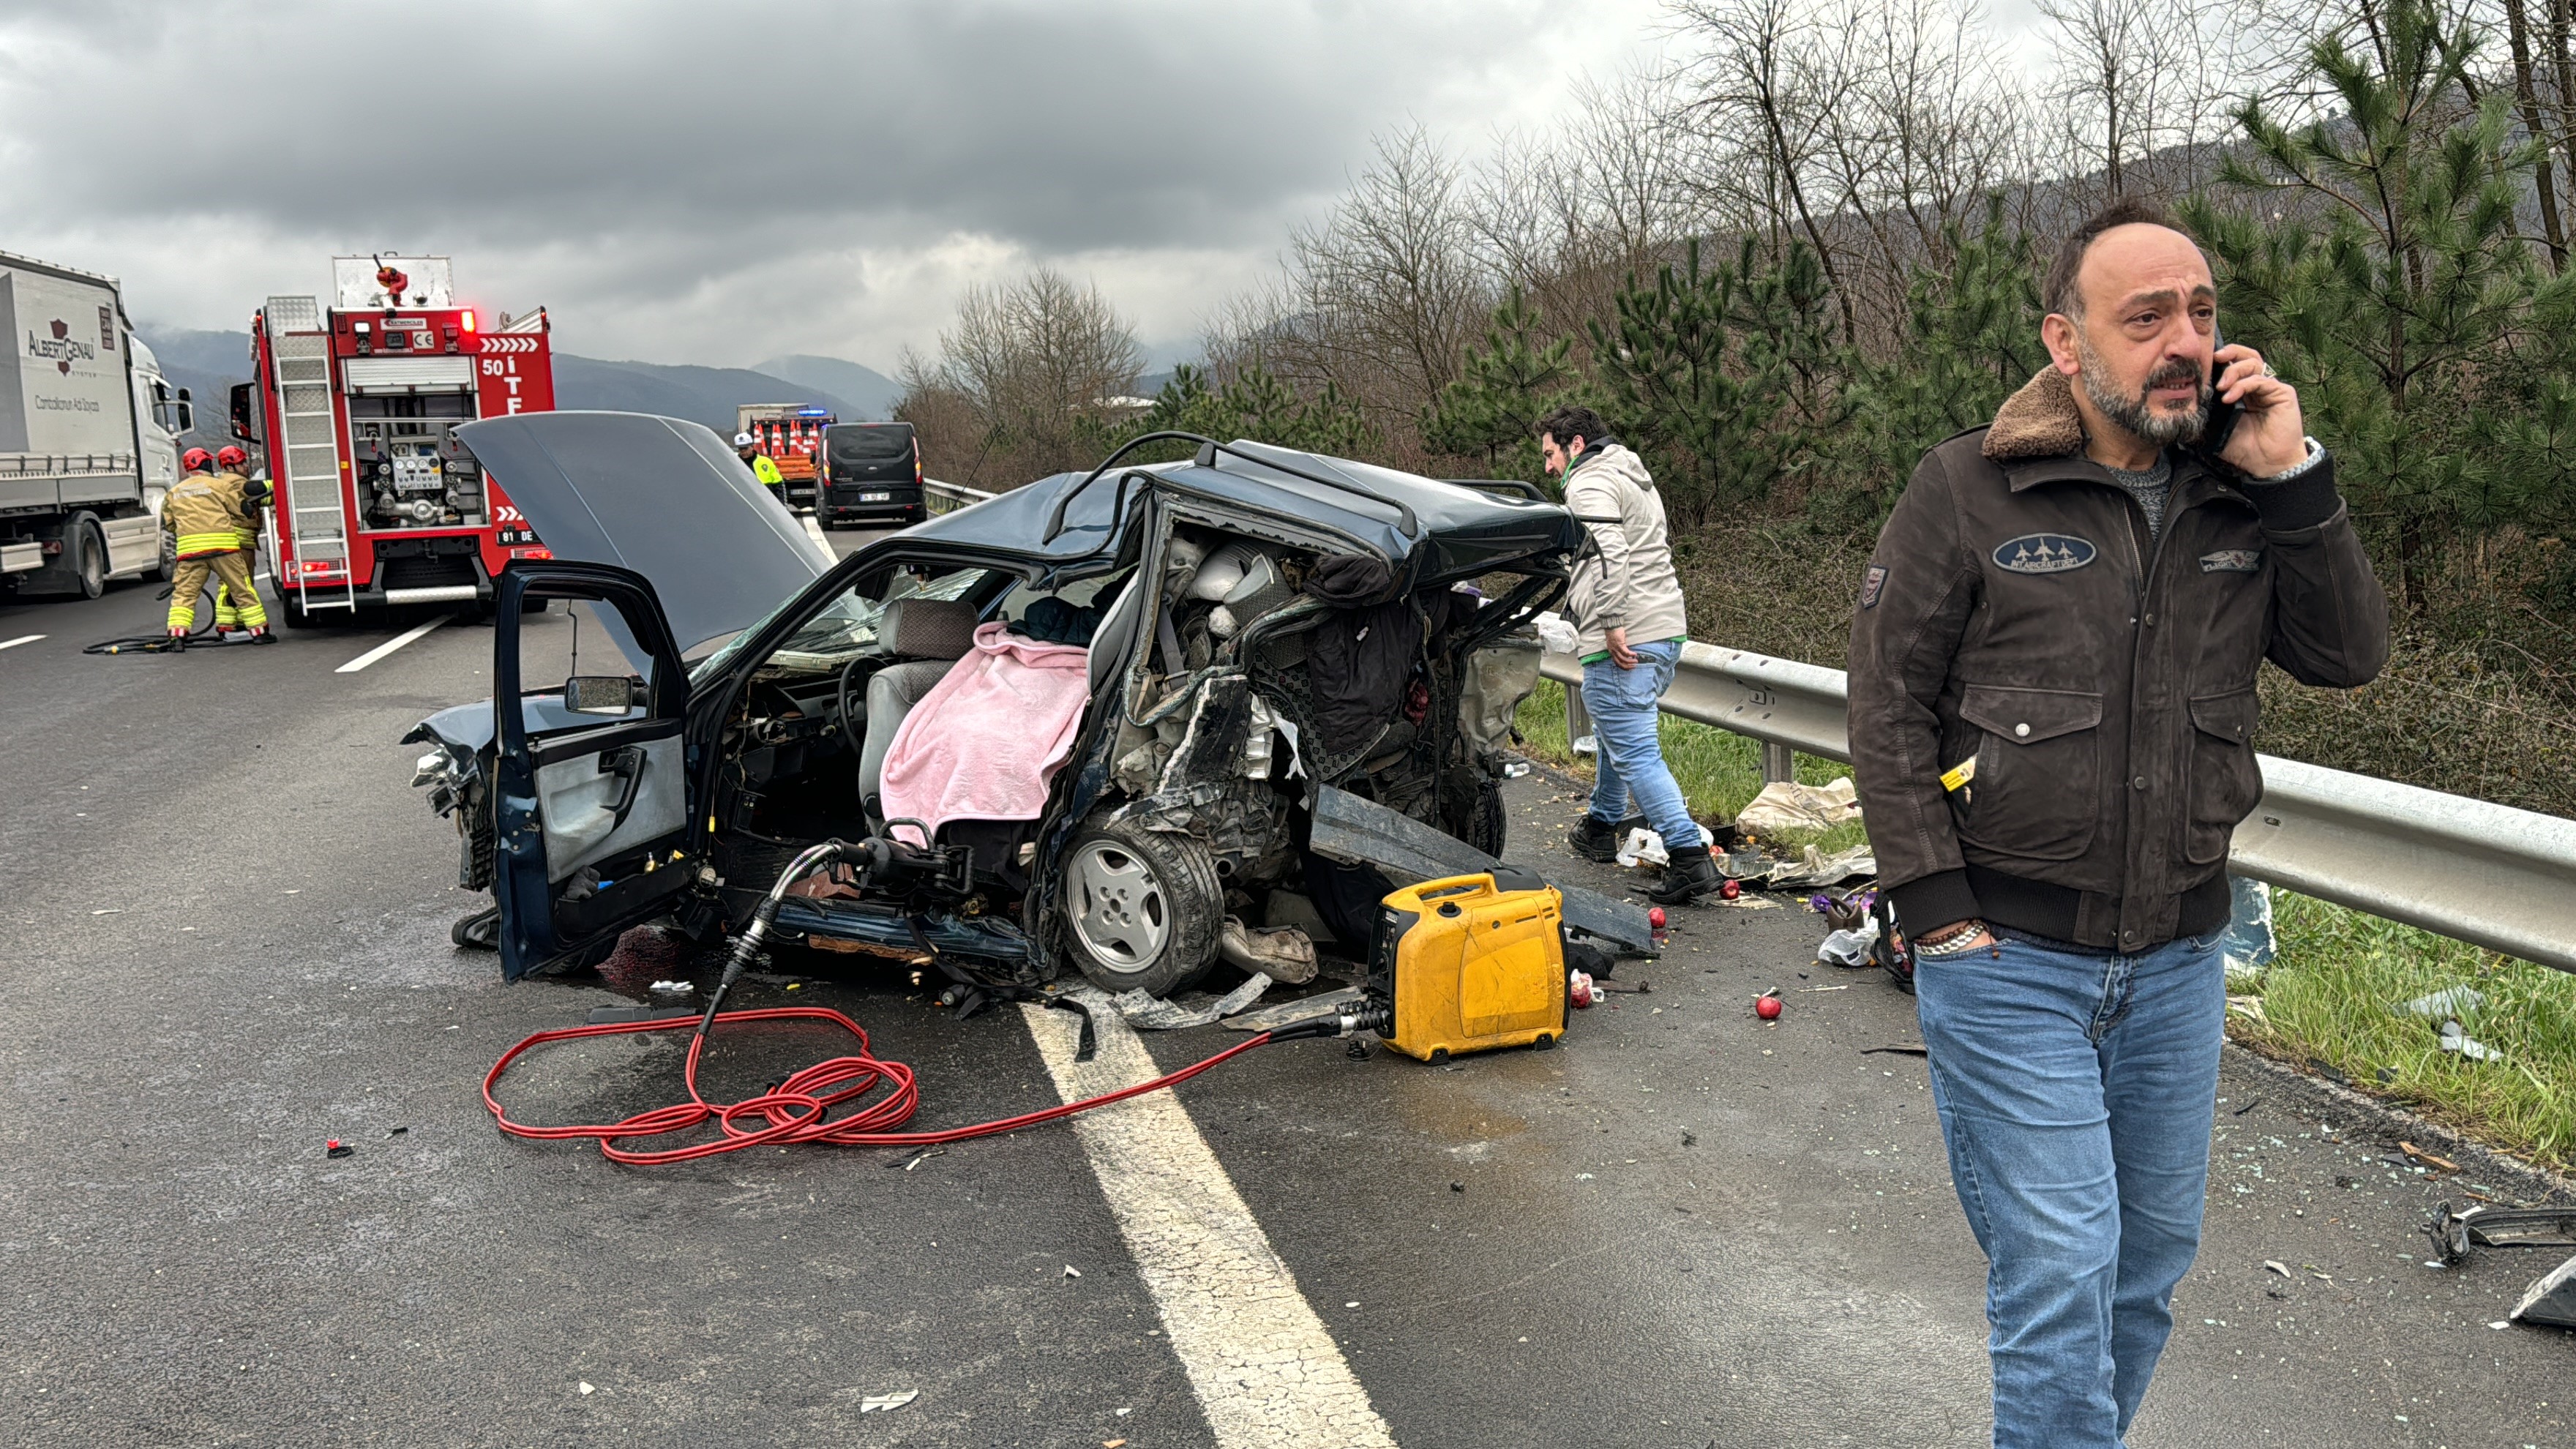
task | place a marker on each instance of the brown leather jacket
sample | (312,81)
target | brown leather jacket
(2016,614)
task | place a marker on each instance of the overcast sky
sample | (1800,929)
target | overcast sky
(723,182)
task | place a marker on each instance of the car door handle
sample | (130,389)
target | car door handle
(627,763)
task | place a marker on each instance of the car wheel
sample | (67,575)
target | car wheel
(89,571)
(1142,908)
(1488,824)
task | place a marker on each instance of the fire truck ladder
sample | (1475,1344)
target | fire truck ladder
(307,457)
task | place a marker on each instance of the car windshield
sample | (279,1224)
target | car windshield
(845,627)
(868,445)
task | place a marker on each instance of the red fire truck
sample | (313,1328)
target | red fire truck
(355,404)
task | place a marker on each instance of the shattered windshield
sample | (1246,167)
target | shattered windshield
(845,627)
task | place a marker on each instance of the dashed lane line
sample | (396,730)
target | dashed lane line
(21,639)
(392,644)
(1267,1373)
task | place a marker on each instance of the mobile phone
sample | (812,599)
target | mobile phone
(2220,425)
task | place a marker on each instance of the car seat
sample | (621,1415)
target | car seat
(930,635)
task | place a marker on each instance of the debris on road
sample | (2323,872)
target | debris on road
(1903,1049)
(1283,953)
(1579,989)
(2449,1001)
(2427,1158)
(2277,1266)
(586,1389)
(2551,1299)
(879,1403)
(334,1147)
(1786,805)
(1848,948)
(1767,1005)
(1071,1271)
(2455,1038)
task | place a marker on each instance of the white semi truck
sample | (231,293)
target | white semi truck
(89,435)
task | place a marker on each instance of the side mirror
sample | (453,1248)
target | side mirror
(245,414)
(611,694)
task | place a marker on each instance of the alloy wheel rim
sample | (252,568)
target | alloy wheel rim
(1119,907)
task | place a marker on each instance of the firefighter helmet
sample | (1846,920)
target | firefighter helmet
(196,460)
(229,456)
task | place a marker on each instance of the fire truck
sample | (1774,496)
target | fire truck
(788,433)
(355,406)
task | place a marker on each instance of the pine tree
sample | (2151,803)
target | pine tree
(1971,339)
(2388,312)
(1506,387)
(1257,404)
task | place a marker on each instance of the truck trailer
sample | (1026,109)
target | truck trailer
(88,435)
(377,504)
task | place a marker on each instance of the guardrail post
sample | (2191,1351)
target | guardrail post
(1578,720)
(1779,763)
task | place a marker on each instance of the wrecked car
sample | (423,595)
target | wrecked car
(1087,724)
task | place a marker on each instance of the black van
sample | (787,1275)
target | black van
(868,471)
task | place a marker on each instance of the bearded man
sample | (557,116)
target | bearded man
(2052,718)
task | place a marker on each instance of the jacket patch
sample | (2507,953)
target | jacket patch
(2232,561)
(2044,553)
(1871,585)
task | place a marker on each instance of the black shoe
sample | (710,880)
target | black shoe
(1690,874)
(262,636)
(1594,838)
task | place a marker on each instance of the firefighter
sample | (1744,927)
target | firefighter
(207,520)
(249,495)
(746,448)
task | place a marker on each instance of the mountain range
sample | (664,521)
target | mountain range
(209,363)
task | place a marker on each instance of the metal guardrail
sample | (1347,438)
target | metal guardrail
(941,497)
(2484,873)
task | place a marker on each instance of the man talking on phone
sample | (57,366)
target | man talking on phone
(2053,709)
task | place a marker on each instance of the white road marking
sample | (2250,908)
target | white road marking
(813,529)
(22,639)
(390,645)
(1267,1373)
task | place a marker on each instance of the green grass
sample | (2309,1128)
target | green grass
(2324,1001)
(1719,771)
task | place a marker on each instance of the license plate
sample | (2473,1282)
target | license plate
(876,498)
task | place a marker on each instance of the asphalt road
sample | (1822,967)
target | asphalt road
(224,919)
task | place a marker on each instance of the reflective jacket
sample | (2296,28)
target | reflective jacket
(2052,713)
(236,488)
(205,516)
(766,471)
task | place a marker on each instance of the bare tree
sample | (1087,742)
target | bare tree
(1029,369)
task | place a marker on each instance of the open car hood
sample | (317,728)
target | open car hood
(663,497)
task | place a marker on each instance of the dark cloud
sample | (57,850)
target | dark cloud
(856,161)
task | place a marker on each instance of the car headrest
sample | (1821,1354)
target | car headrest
(926,629)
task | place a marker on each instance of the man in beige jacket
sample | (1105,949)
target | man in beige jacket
(1626,604)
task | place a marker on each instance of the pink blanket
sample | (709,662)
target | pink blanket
(988,738)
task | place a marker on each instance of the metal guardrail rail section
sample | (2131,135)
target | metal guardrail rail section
(941,497)
(2484,873)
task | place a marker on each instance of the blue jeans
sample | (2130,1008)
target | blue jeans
(2076,1094)
(1631,757)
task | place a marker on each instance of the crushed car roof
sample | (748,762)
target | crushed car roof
(1429,530)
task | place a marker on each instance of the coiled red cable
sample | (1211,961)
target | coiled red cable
(798,1109)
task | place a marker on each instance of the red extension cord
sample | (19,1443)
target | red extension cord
(796,1110)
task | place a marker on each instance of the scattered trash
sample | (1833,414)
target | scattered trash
(1645,847)
(672,988)
(397,1131)
(1902,1049)
(337,1148)
(1586,745)
(2427,1158)
(2248,1107)
(2456,1039)
(923,1156)
(1846,986)
(1071,1271)
(1350,1305)
(877,1403)
(1655,917)
(1729,889)
(1786,805)
(2249,945)
(2454,1233)
(1690,1139)
(1850,948)
(1457,1187)
(2277,1266)
(1744,902)
(1113,1444)
(2249,1007)
(2449,1001)
(1556,633)
(110,911)
(587,1390)
(1283,953)
(1151,1013)
(1578,989)
(1767,1005)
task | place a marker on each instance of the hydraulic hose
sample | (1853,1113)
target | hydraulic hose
(798,1109)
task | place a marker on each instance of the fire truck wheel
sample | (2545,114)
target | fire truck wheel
(291,611)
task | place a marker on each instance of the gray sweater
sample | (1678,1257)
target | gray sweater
(1626,580)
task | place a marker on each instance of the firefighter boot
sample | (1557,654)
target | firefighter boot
(1690,874)
(1594,838)
(261,635)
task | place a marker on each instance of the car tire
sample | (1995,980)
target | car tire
(1488,823)
(89,570)
(1141,910)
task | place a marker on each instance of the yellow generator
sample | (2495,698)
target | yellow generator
(1468,964)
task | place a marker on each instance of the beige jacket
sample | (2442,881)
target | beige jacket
(1625,580)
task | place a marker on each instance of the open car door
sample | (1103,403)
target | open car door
(591,819)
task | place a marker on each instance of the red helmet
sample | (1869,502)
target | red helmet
(230,457)
(196,460)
